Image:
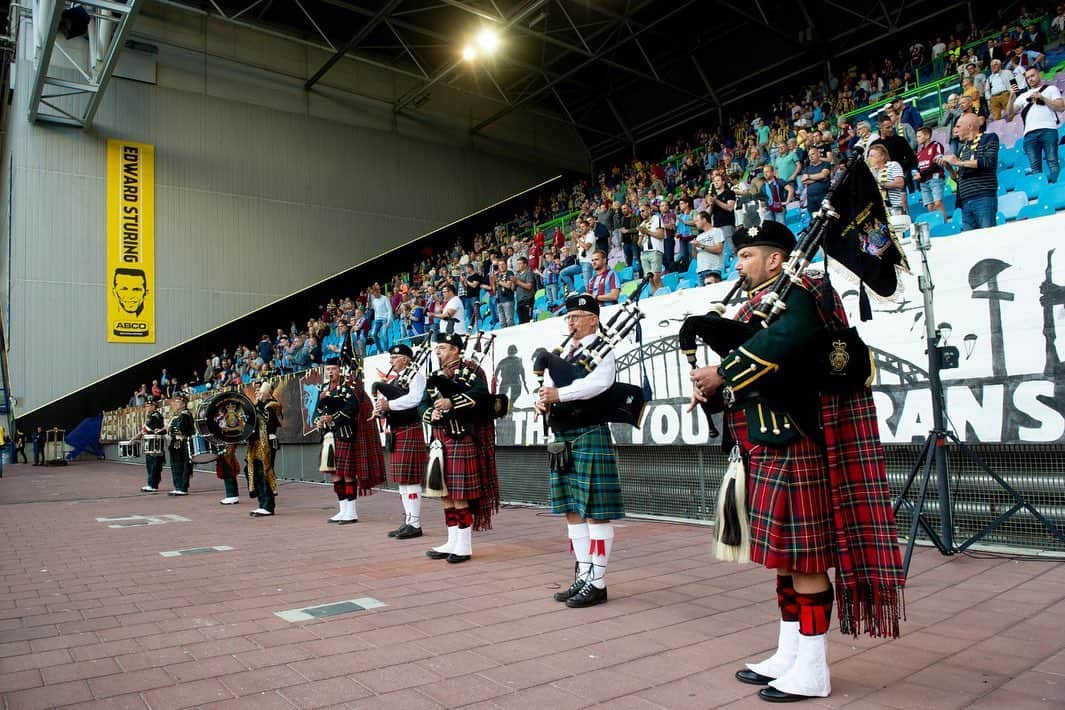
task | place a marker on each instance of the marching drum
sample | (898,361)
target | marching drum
(153,444)
(226,418)
(200,449)
(128,449)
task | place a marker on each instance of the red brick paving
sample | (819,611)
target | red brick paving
(94,617)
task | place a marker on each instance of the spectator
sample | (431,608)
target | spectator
(551,270)
(686,232)
(38,446)
(451,314)
(900,128)
(787,164)
(815,180)
(709,249)
(908,113)
(998,89)
(899,151)
(974,168)
(777,195)
(526,284)
(333,344)
(630,237)
(864,135)
(503,286)
(471,283)
(382,319)
(1039,107)
(929,172)
(889,176)
(669,241)
(652,243)
(604,285)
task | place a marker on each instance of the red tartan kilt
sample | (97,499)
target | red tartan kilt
(409,457)
(789,503)
(465,466)
(361,461)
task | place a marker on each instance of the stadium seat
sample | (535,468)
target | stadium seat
(1006,159)
(1009,178)
(946,229)
(544,315)
(628,288)
(1031,184)
(1000,218)
(1011,203)
(671,280)
(1039,209)
(625,274)
(619,267)
(1053,194)
(685,283)
(932,218)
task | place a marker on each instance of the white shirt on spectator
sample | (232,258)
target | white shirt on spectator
(652,242)
(704,260)
(1040,115)
(890,171)
(458,324)
(382,307)
(587,243)
(998,82)
(938,48)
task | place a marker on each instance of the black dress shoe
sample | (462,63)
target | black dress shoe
(589,595)
(578,585)
(397,531)
(751,678)
(455,559)
(772,695)
(436,555)
(409,533)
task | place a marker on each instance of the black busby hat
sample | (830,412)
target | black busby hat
(401,349)
(582,302)
(767,234)
(453,339)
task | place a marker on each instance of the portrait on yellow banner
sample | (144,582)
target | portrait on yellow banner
(130,281)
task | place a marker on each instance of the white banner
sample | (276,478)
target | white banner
(998,297)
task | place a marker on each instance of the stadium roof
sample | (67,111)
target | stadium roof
(618,72)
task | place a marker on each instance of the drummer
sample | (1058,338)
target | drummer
(153,457)
(181,428)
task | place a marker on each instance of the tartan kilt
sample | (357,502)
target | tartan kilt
(409,457)
(591,488)
(465,466)
(361,461)
(789,502)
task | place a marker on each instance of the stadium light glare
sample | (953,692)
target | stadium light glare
(469,52)
(488,40)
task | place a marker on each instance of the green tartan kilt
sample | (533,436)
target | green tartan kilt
(591,488)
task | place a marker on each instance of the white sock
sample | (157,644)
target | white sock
(341,508)
(412,504)
(452,536)
(578,541)
(600,541)
(406,505)
(352,514)
(464,541)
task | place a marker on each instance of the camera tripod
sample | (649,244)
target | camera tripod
(933,456)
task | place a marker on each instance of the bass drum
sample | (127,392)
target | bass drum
(200,449)
(226,418)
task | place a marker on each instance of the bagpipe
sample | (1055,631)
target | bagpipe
(623,403)
(832,230)
(400,386)
(440,385)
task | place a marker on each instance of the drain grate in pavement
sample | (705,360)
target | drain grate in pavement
(196,551)
(129,521)
(331,609)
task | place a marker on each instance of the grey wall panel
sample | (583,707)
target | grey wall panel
(256,198)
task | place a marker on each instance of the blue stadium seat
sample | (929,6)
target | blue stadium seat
(1039,209)
(625,274)
(1006,159)
(1000,218)
(1053,194)
(1031,184)
(945,230)
(1009,178)
(932,218)
(1011,203)
(671,280)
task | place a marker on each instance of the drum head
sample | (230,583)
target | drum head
(227,418)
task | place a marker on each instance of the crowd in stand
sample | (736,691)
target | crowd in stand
(678,215)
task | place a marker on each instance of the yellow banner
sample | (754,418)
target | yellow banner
(130,242)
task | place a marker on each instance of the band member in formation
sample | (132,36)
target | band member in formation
(405,441)
(227,467)
(461,421)
(262,450)
(816,480)
(180,429)
(588,490)
(359,462)
(153,463)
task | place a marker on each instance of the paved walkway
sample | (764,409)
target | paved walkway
(91,615)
